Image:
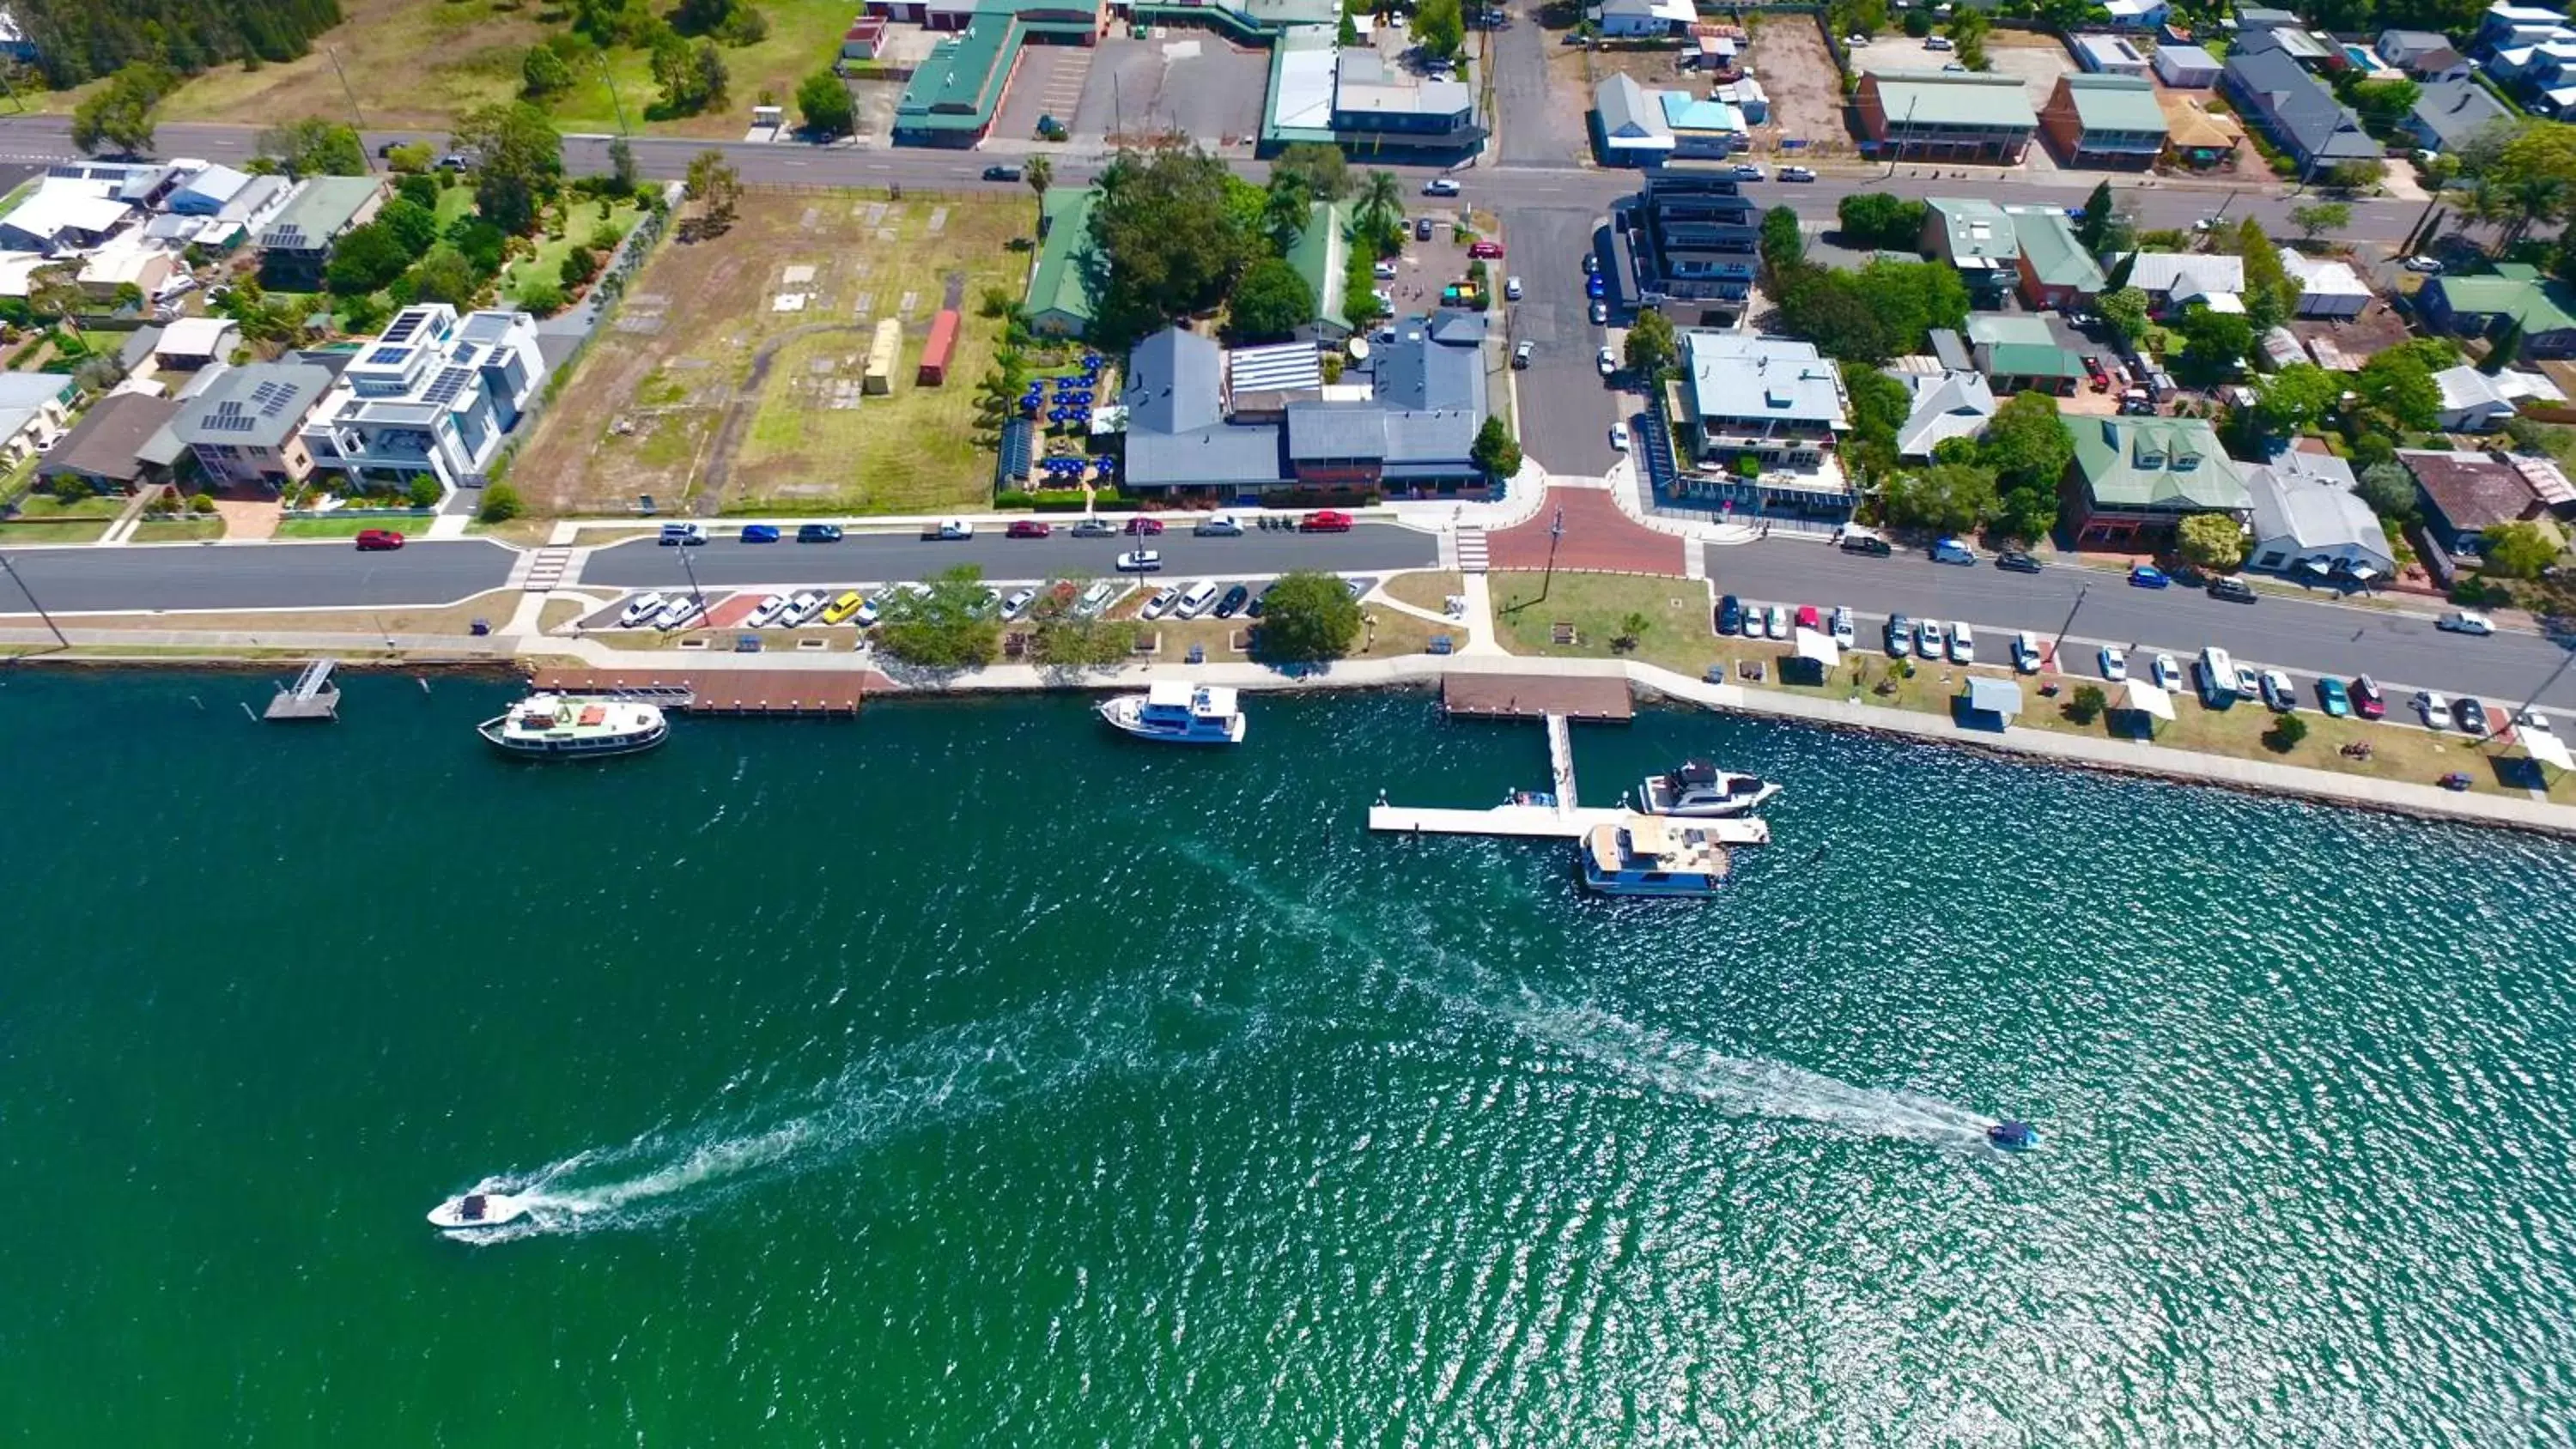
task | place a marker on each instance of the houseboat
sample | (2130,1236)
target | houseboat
(566,726)
(1703,791)
(1651,855)
(1177,712)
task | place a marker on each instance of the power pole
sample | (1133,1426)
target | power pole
(357,118)
(615,101)
(2055,644)
(21,582)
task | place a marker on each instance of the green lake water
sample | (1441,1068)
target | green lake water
(967,1075)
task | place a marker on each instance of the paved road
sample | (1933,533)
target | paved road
(1539,126)
(1565,408)
(881,557)
(261,576)
(2293,634)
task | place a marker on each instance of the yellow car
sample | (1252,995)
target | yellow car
(844,606)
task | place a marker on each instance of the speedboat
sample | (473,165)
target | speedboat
(2013,1136)
(1703,790)
(1177,712)
(478,1210)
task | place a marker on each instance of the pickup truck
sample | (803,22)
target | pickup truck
(948,529)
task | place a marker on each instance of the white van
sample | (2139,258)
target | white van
(1196,602)
(2217,678)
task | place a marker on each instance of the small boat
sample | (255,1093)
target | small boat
(1177,712)
(477,1210)
(556,726)
(1702,790)
(2013,1136)
(1650,855)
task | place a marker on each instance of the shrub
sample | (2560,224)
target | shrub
(202,503)
(2087,704)
(2285,734)
(424,492)
(500,504)
(69,488)
(542,297)
(1015,498)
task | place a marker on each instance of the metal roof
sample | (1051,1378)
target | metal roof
(1731,375)
(1944,98)
(1336,430)
(259,406)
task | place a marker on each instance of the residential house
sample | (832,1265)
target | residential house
(244,429)
(2308,51)
(15,43)
(2018,353)
(2108,55)
(2449,112)
(2327,288)
(2296,110)
(2478,402)
(1774,399)
(2134,479)
(2110,121)
(2137,14)
(2056,270)
(2175,280)
(2198,136)
(1633,18)
(1977,238)
(35,409)
(59,218)
(1064,289)
(2309,524)
(2505,26)
(2255,18)
(297,243)
(1633,131)
(128,261)
(1694,236)
(1946,404)
(1946,116)
(434,394)
(194,342)
(2465,494)
(2187,67)
(2488,303)
(103,449)
(207,192)
(1703,129)
(2422,55)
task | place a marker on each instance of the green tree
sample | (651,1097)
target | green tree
(541,296)
(2389,490)
(1308,618)
(824,101)
(2026,513)
(946,626)
(2517,551)
(692,77)
(315,147)
(1381,209)
(2506,351)
(1063,635)
(518,162)
(2096,219)
(579,265)
(2295,399)
(1495,450)
(716,186)
(412,224)
(1877,219)
(543,75)
(1632,630)
(2214,342)
(1325,172)
(1944,498)
(2126,310)
(1271,301)
(118,116)
(2398,384)
(2086,704)
(1039,174)
(500,504)
(2121,267)
(1784,245)
(623,174)
(445,276)
(1879,406)
(2285,734)
(2026,443)
(365,259)
(1173,241)
(1652,345)
(1968,27)
(1285,211)
(424,492)
(1346,35)
(2214,542)
(1439,27)
(2384,104)
(2319,217)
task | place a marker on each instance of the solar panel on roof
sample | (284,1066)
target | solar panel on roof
(449,384)
(272,398)
(404,326)
(387,356)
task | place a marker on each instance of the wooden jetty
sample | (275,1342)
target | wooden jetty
(789,693)
(1544,822)
(1478,695)
(312,696)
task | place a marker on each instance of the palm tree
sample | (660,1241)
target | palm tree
(1381,203)
(2535,199)
(1285,210)
(2483,202)
(1039,173)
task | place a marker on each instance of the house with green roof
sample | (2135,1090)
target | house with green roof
(2019,353)
(1946,116)
(296,244)
(1977,237)
(1322,255)
(1064,287)
(2105,120)
(2056,270)
(2489,303)
(2133,479)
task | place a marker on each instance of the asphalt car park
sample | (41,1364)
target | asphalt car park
(1565,408)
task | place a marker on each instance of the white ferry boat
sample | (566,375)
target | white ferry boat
(1702,790)
(559,726)
(477,1210)
(1650,855)
(1177,712)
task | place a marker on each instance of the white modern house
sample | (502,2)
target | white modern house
(435,393)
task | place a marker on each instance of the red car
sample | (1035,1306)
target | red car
(375,540)
(1144,527)
(1809,619)
(1491,251)
(1028,528)
(2367,701)
(2101,379)
(1327,521)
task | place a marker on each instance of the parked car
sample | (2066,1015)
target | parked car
(1808,617)
(2426,265)
(1099,595)
(1929,641)
(841,609)
(1142,527)
(681,611)
(1841,626)
(640,610)
(2471,715)
(821,533)
(1326,520)
(2248,685)
(1619,437)
(1521,355)
(683,535)
(378,540)
(2093,369)
(2148,576)
(1485,249)
(1161,604)
(1422,228)
(2466,621)
(1776,620)
(759,533)
(2025,652)
(2278,692)
(1018,602)
(2168,672)
(2014,561)
(1233,602)
(1605,359)
(1596,286)
(2367,701)
(1001,173)
(1440,186)
(769,611)
(2333,698)
(1142,561)
(1952,551)
(1028,528)
(1218,527)
(1754,625)
(1900,630)
(1095,528)
(1963,643)
(954,530)
(1938,42)
(1511,289)
(2115,663)
(2533,721)
(2435,709)
(1730,614)
(1600,314)
(1384,271)
(2233,591)
(1797,173)
(1591,263)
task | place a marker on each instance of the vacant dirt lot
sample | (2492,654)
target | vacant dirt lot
(731,379)
(1805,86)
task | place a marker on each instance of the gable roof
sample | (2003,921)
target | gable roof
(105,441)
(2056,258)
(2325,278)
(1629,114)
(2454,110)
(2165,464)
(1948,98)
(54,210)
(2472,490)
(2031,359)
(2300,105)
(2313,517)
(1321,255)
(2188,274)
(2115,103)
(2516,290)
(321,208)
(1069,265)
(259,406)
(1946,405)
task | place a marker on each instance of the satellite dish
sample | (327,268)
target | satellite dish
(1359,349)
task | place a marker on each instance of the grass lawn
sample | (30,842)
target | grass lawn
(705,382)
(1678,636)
(177,530)
(68,530)
(409,525)
(545,264)
(1427,589)
(45,507)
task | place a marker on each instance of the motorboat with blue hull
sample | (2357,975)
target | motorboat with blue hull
(2013,1136)
(1176,712)
(1703,791)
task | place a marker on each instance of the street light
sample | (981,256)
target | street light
(12,572)
(2059,642)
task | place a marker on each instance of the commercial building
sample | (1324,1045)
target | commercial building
(2133,479)
(1350,97)
(297,243)
(2491,303)
(2296,110)
(1693,236)
(1946,116)
(1065,286)
(434,394)
(957,90)
(2466,493)
(244,427)
(2110,121)
(1774,400)
(1977,237)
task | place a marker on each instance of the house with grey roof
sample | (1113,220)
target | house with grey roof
(297,242)
(242,429)
(2449,112)
(1631,117)
(104,448)
(1947,404)
(35,408)
(2424,55)
(2308,524)
(2296,110)
(1775,400)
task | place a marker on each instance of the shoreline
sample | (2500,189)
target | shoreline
(1651,683)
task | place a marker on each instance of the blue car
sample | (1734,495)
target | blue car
(2148,576)
(1595,286)
(1730,614)
(819,533)
(759,533)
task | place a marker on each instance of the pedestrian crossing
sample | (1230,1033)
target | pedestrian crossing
(1471,549)
(546,570)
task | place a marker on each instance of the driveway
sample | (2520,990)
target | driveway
(1541,125)
(251,576)
(1565,408)
(887,557)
